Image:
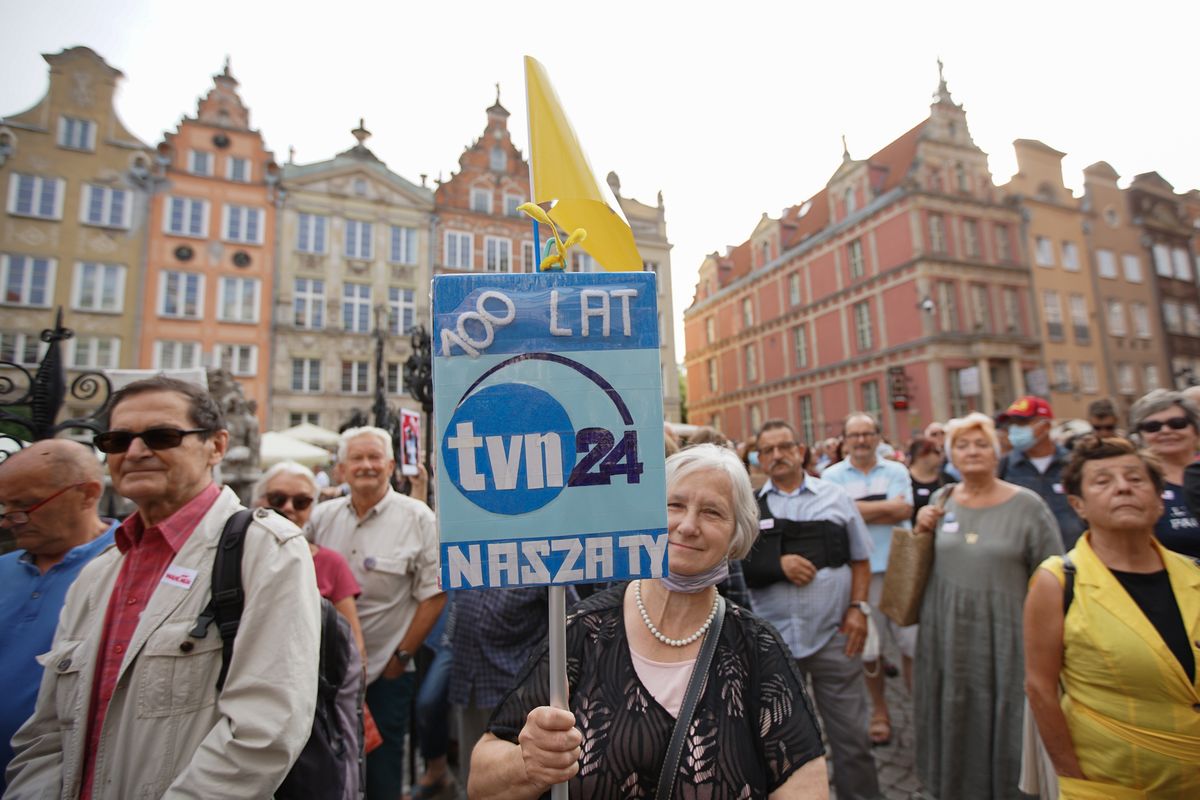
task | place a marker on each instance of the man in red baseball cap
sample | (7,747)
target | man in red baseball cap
(1037,463)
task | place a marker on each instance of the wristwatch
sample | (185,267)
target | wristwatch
(403,656)
(862,606)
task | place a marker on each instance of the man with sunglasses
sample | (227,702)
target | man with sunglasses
(1037,463)
(49,501)
(128,705)
(1102,416)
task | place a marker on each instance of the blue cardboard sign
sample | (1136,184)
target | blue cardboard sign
(548,419)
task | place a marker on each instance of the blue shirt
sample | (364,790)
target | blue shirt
(887,478)
(30,603)
(808,616)
(1177,529)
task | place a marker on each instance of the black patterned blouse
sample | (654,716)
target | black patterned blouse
(754,725)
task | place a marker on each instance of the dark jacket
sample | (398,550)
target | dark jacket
(1017,468)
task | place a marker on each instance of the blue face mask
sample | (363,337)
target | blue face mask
(1021,437)
(754,458)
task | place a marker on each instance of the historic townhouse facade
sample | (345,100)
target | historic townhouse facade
(73,233)
(899,289)
(354,256)
(211,250)
(477,228)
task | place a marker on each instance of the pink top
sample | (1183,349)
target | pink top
(666,681)
(335,581)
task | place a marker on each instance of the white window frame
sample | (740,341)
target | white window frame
(511,201)
(1043,251)
(164,278)
(69,142)
(713,378)
(78,301)
(243,215)
(1162,261)
(313,301)
(1070,256)
(1150,378)
(1140,313)
(1131,267)
(1191,319)
(89,347)
(1181,264)
(1061,373)
(236,352)
(870,398)
(1011,301)
(402,245)
(360,376)
(107,195)
(1126,379)
(240,313)
(710,329)
(1003,244)
(1053,314)
(497,254)
(1106,264)
(800,346)
(478,193)
(1116,318)
(402,302)
(937,233)
(231,162)
(864,335)
(22,343)
(499,164)
(40,183)
(981,307)
(209,159)
(971,238)
(461,255)
(189,208)
(527,257)
(310,374)
(854,255)
(582,261)
(1088,381)
(1172,316)
(360,240)
(750,363)
(26,289)
(747,312)
(307,228)
(795,295)
(357,306)
(177,350)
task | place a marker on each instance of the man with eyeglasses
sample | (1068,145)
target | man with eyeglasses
(1037,463)
(808,574)
(49,502)
(128,705)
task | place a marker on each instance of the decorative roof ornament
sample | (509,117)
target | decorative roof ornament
(361,133)
(497,109)
(845,149)
(942,95)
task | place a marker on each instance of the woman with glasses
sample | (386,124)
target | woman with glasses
(925,467)
(1168,424)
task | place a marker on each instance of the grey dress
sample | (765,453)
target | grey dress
(970,660)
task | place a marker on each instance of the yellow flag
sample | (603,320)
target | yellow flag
(560,175)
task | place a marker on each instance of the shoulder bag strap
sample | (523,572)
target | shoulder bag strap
(1068,582)
(670,767)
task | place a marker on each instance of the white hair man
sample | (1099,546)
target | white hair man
(390,542)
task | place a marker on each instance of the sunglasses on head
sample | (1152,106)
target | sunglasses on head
(278,500)
(1156,425)
(155,438)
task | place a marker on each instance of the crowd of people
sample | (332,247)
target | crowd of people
(1055,652)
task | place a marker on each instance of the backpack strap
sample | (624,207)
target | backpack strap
(225,605)
(1068,582)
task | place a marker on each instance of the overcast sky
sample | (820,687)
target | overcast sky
(730,109)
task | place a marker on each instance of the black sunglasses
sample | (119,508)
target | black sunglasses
(277,500)
(1155,425)
(155,438)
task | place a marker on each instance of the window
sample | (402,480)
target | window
(714,420)
(354,377)
(181,295)
(527,257)
(947,304)
(1183,372)
(1043,252)
(105,207)
(1012,311)
(238,299)
(710,330)
(747,312)
(862,325)
(1087,378)
(1132,266)
(392,375)
(35,196)
(800,346)
(1141,320)
(960,173)
(243,224)
(187,216)
(22,348)
(755,419)
(765,250)
(356,307)
(458,250)
(807,429)
(481,201)
(240,359)
(794,288)
(1079,318)
(403,248)
(1116,318)
(958,403)
(1172,317)
(98,287)
(1070,256)
(712,375)
(850,204)
(498,159)
(1150,377)
(1191,320)
(200,162)
(497,254)
(1061,372)
(306,374)
(309,304)
(76,134)
(1162,260)
(27,281)
(1003,244)
(237,169)
(1106,264)
(937,233)
(855,253)
(751,364)
(300,417)
(176,355)
(971,238)
(582,262)
(511,201)
(1126,379)
(981,308)
(358,239)
(1052,311)
(95,352)
(403,310)
(310,233)
(1181,264)
(870,398)
(359,187)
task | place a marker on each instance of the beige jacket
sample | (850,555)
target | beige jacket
(167,733)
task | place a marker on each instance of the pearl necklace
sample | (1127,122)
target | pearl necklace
(637,598)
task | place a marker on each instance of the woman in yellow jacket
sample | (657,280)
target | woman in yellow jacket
(1126,723)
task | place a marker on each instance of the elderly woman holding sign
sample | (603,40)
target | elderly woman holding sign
(651,660)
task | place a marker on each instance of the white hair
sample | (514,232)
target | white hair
(286,468)
(701,457)
(383,436)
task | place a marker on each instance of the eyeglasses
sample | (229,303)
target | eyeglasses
(786,447)
(1156,425)
(21,516)
(155,438)
(278,500)
(1104,428)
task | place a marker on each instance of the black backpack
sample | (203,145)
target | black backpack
(332,763)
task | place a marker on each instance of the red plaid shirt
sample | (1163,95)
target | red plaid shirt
(147,554)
